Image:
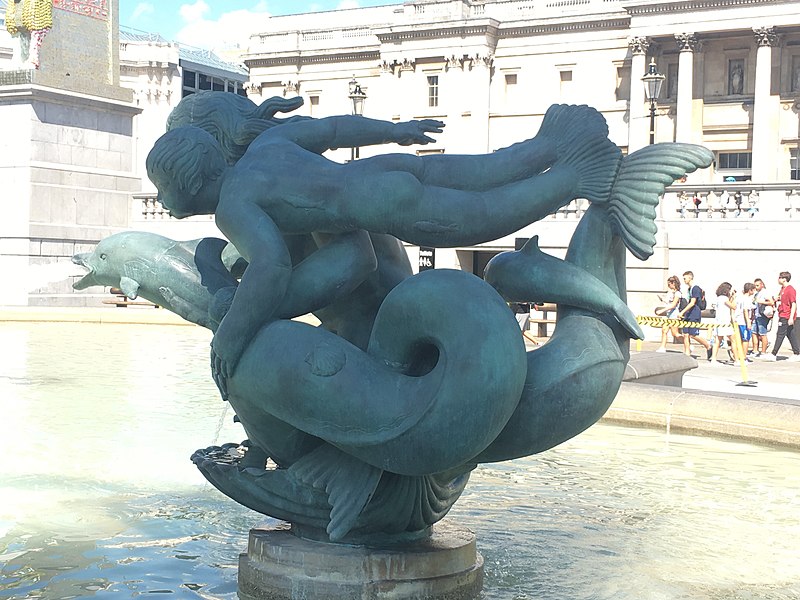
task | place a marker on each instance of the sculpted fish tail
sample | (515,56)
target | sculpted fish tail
(643,176)
(581,137)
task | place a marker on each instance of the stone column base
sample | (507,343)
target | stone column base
(281,566)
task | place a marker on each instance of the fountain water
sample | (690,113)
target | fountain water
(92,506)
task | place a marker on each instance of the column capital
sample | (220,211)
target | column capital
(688,42)
(454,62)
(483,60)
(290,88)
(638,44)
(765,36)
(407,65)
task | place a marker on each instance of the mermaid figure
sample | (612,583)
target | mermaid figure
(378,438)
(446,200)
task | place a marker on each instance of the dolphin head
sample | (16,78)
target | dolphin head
(113,259)
(97,264)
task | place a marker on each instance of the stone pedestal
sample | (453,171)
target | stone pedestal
(281,566)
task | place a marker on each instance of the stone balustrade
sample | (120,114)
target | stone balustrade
(723,201)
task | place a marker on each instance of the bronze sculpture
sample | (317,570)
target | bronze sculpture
(367,427)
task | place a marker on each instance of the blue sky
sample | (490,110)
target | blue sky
(216,23)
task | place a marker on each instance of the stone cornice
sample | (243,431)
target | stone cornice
(301,59)
(463,29)
(550,26)
(639,8)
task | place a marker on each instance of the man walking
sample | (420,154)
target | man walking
(691,312)
(787,313)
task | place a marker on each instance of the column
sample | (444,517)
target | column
(638,120)
(687,44)
(480,82)
(766,110)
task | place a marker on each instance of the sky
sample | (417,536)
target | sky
(219,23)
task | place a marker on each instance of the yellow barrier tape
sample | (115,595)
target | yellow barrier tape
(661,321)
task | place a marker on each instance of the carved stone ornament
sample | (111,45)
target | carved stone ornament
(765,36)
(638,44)
(290,87)
(455,62)
(407,65)
(688,42)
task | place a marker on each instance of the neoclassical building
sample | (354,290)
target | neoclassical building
(491,68)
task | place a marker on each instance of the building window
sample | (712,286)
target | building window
(795,74)
(735,160)
(433,90)
(736,77)
(313,103)
(672,80)
(623,91)
(566,83)
(193,82)
(794,164)
(511,80)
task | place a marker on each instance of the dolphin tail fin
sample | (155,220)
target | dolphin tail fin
(348,481)
(581,137)
(639,185)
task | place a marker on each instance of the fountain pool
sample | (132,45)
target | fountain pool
(98,496)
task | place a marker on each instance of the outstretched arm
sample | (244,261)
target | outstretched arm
(346,131)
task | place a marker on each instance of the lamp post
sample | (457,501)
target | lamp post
(653,81)
(357,97)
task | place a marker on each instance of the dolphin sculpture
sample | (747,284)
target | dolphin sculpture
(192,280)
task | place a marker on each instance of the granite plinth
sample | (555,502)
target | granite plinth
(281,566)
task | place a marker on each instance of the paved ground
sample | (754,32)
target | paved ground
(779,379)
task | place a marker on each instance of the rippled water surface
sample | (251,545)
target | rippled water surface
(98,496)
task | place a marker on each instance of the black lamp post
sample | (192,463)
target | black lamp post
(653,81)
(357,97)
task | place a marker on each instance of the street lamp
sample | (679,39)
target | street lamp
(357,97)
(653,81)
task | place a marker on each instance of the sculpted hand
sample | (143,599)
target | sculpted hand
(226,350)
(413,132)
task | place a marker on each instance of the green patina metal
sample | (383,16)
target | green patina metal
(371,423)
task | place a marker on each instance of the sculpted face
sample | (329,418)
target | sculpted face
(174,199)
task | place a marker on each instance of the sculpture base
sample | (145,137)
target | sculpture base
(281,566)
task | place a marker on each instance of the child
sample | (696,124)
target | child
(282,184)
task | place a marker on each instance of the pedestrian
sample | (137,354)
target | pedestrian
(522,312)
(763,309)
(725,305)
(674,302)
(691,312)
(787,314)
(744,316)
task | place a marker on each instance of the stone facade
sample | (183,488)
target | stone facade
(66,154)
(490,69)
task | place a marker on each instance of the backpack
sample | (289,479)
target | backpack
(702,303)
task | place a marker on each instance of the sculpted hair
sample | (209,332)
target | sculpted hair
(724,289)
(187,154)
(786,275)
(233,120)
